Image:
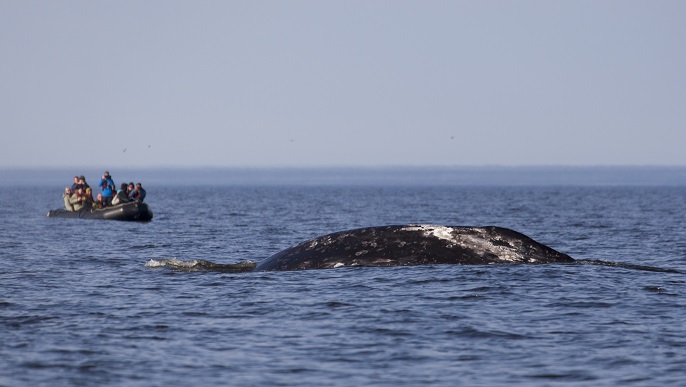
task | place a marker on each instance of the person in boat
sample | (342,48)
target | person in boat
(99,203)
(107,186)
(83,184)
(67,199)
(78,200)
(75,186)
(121,196)
(138,193)
(129,191)
(89,197)
(79,182)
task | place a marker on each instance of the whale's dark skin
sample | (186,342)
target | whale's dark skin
(413,245)
(404,246)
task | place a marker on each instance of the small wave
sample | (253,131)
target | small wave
(149,246)
(626,266)
(201,265)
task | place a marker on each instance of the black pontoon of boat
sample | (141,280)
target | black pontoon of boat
(132,212)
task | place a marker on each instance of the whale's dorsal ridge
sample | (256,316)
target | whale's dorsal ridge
(413,244)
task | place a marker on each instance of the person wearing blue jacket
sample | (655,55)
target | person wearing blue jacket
(108,188)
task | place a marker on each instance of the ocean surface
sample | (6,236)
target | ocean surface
(81,306)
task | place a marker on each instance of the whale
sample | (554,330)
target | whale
(403,245)
(410,245)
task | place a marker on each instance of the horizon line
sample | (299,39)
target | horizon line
(319,167)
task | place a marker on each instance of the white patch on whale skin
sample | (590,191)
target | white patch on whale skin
(477,241)
(485,246)
(440,232)
(314,242)
(170,262)
(154,263)
(339,264)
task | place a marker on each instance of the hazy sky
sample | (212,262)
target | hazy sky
(342,83)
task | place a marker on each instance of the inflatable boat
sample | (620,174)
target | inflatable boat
(132,212)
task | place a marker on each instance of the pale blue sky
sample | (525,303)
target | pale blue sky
(342,83)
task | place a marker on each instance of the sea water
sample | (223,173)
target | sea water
(79,306)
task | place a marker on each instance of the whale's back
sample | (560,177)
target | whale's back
(413,245)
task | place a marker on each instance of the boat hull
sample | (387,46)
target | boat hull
(131,212)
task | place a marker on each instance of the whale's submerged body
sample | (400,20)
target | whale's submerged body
(413,245)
